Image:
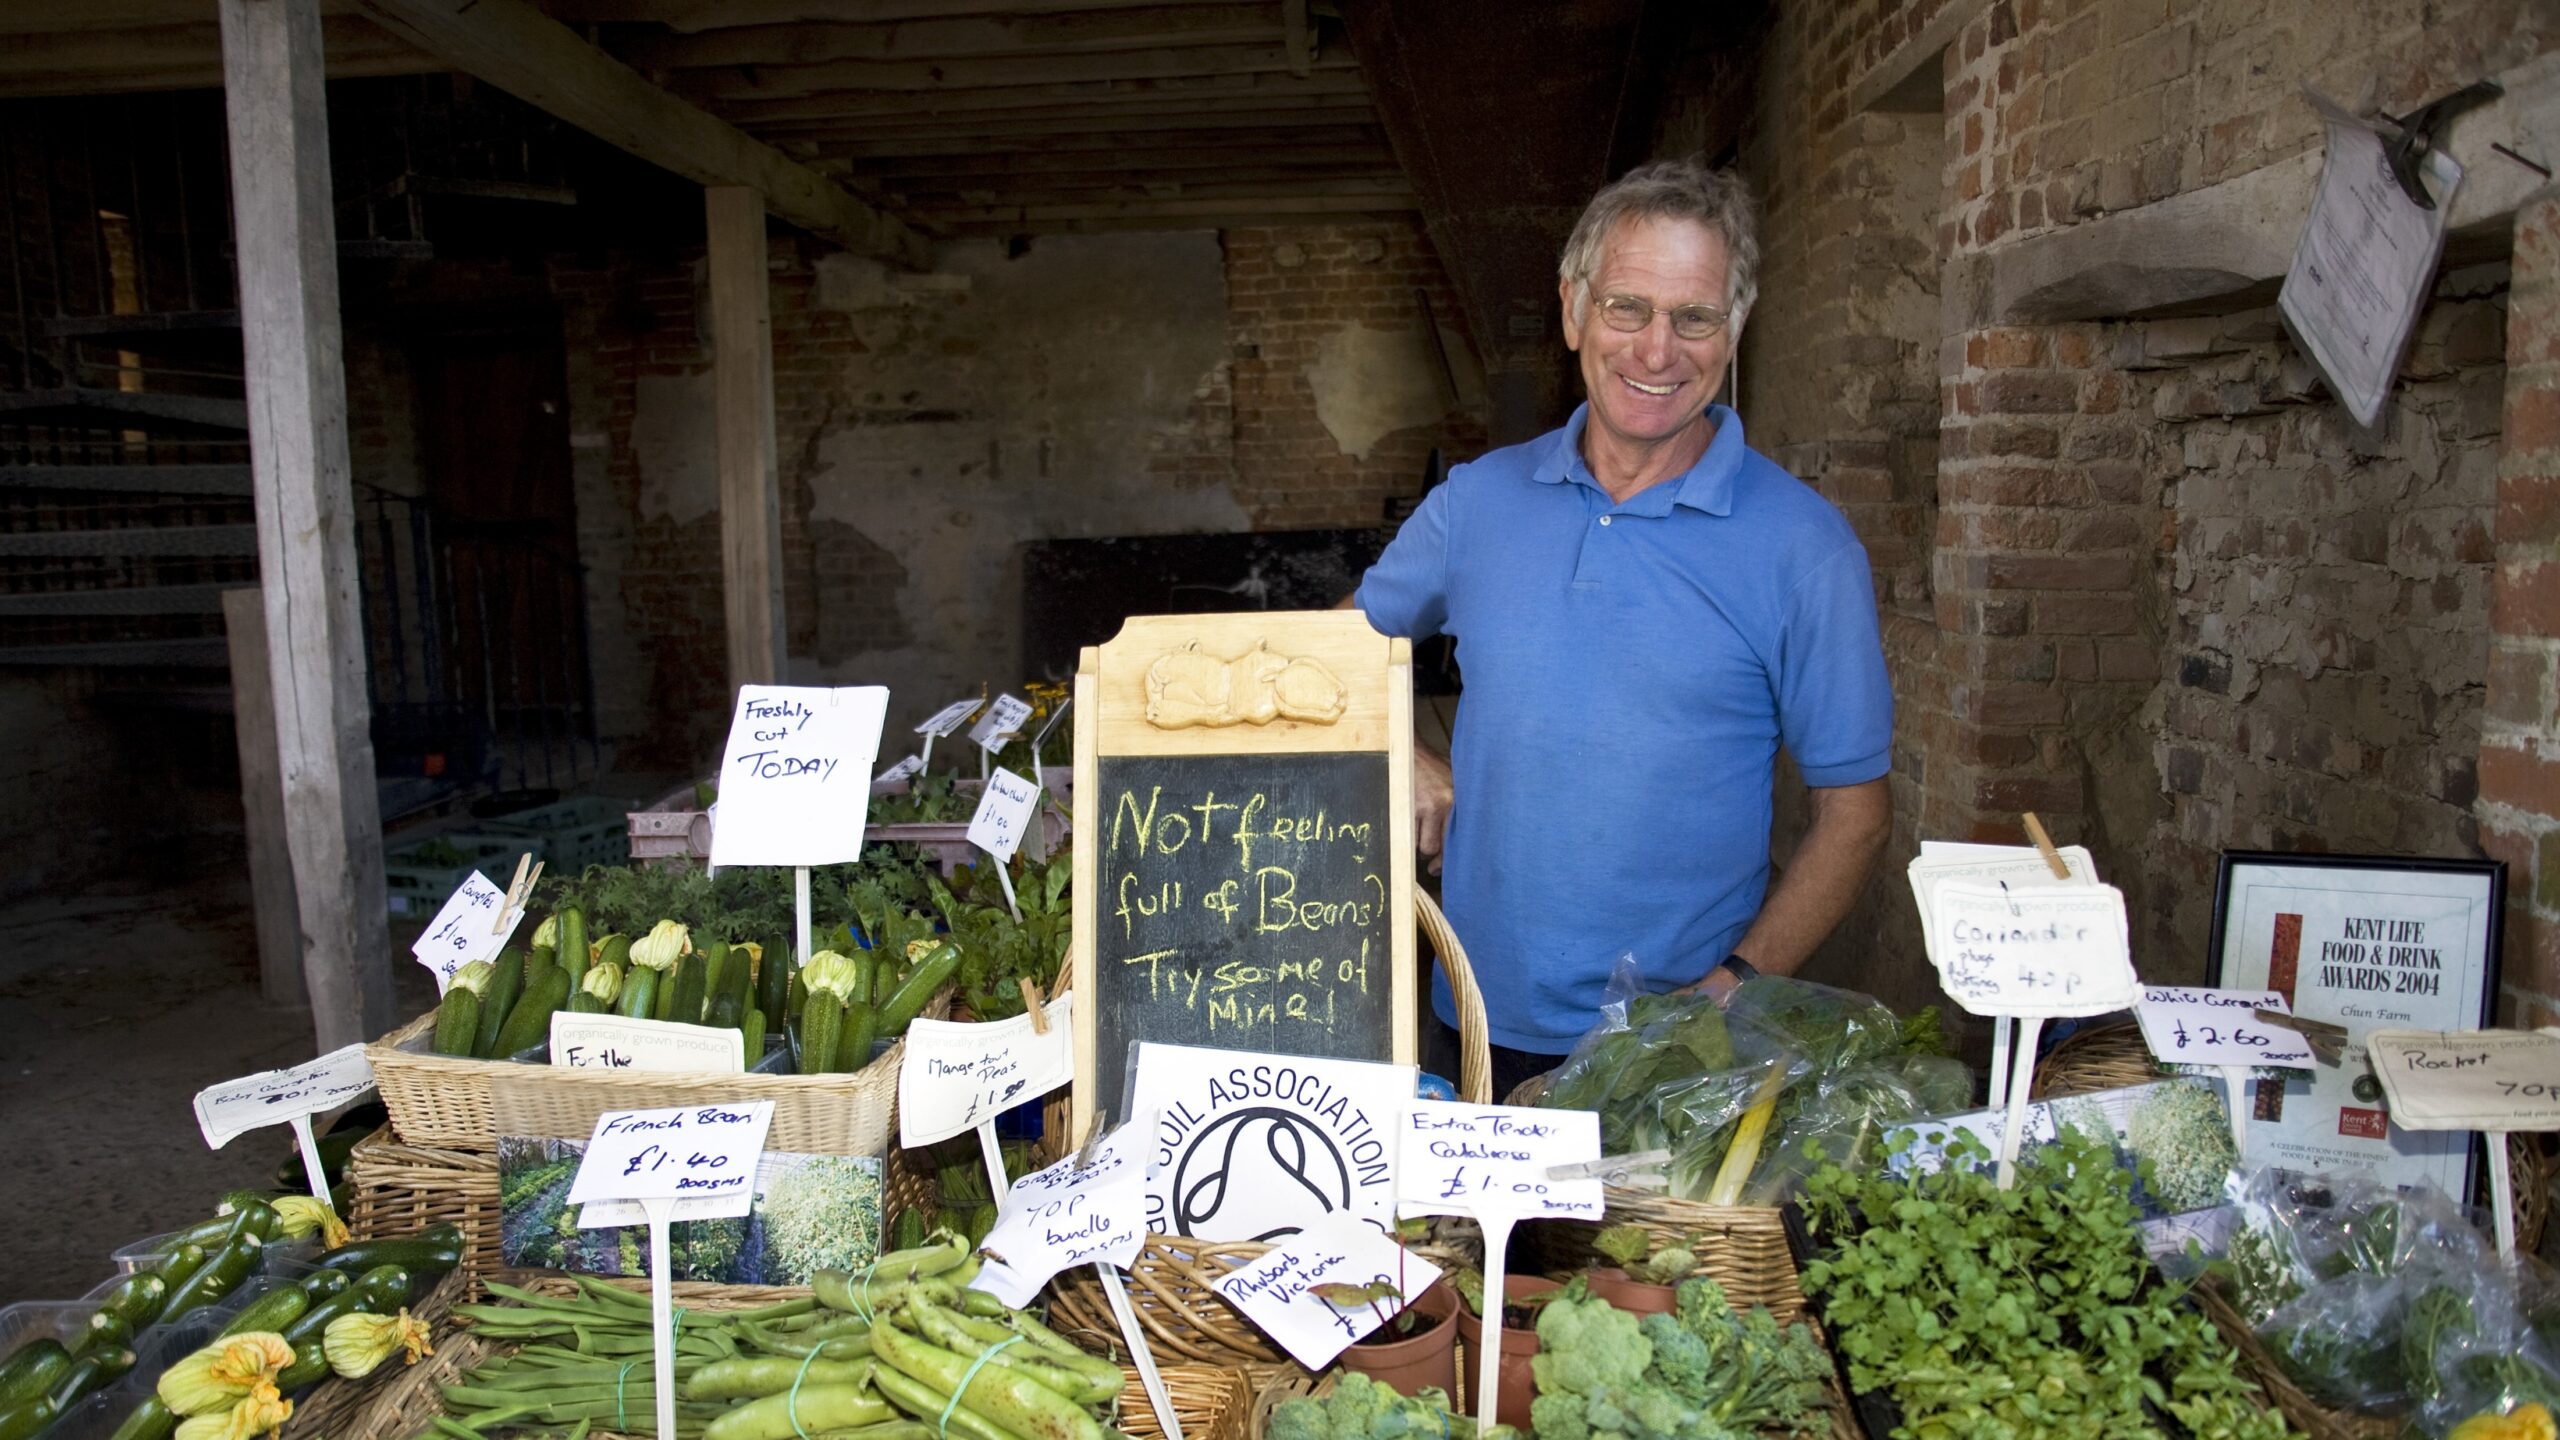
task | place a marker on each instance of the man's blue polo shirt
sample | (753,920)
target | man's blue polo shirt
(1631,670)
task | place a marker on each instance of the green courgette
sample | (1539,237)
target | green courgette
(104,1330)
(321,1284)
(272,1311)
(773,987)
(28,1418)
(751,1031)
(177,1266)
(821,1031)
(529,1024)
(89,1374)
(908,1001)
(33,1370)
(639,993)
(735,995)
(572,940)
(137,1298)
(715,970)
(219,1277)
(853,1049)
(430,1251)
(506,985)
(684,1004)
(392,1284)
(616,948)
(866,971)
(150,1420)
(907,1231)
(334,1148)
(457,1021)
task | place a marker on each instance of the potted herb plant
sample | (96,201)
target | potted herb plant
(1414,1349)
(1645,1278)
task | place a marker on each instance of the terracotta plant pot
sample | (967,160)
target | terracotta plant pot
(1407,1364)
(1630,1294)
(1516,1386)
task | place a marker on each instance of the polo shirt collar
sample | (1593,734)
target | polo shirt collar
(1707,487)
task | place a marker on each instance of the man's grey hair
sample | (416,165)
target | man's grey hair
(1670,190)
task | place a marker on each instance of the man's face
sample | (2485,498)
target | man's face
(1648,385)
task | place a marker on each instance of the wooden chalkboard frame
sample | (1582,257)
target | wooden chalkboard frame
(1111,711)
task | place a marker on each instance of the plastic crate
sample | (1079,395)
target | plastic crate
(580,831)
(417,886)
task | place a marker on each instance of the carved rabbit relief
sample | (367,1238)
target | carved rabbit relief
(1187,688)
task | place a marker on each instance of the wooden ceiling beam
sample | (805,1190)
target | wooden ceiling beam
(853,150)
(691,17)
(1193,89)
(1199,212)
(888,170)
(992,132)
(92,15)
(515,47)
(972,37)
(180,57)
(924,193)
(727,84)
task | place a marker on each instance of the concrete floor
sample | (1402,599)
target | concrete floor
(117,1004)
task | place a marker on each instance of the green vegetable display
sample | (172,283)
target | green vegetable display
(2018,1313)
(1701,1373)
(1362,1409)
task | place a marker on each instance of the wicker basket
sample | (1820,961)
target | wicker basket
(2261,1367)
(1212,1404)
(324,1413)
(443,1102)
(400,1189)
(2100,1057)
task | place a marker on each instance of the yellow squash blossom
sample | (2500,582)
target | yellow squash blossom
(2525,1422)
(356,1344)
(300,1215)
(256,1414)
(223,1372)
(666,943)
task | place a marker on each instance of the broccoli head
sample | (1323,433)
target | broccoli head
(1586,1344)
(1362,1409)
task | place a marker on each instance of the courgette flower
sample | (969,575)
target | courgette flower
(300,1215)
(256,1414)
(546,936)
(474,977)
(830,973)
(665,944)
(604,982)
(223,1372)
(356,1344)
(2525,1422)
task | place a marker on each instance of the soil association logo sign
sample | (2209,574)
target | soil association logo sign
(1256,1147)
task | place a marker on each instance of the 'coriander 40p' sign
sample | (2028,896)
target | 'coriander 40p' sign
(1244,842)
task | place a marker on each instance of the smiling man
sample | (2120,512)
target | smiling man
(1646,610)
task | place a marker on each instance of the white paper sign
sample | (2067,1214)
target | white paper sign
(2048,951)
(461,931)
(795,781)
(948,718)
(692,1153)
(1001,723)
(1005,809)
(1051,723)
(1458,1159)
(273,1097)
(1941,863)
(2365,263)
(610,1042)
(1255,1147)
(957,1077)
(1062,1217)
(1276,1292)
(2187,1025)
(2497,1080)
(912,765)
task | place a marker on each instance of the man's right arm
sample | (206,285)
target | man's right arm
(1409,584)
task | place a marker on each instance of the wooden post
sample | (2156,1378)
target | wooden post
(253,716)
(296,375)
(742,404)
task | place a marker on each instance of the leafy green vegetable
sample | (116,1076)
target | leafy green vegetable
(1362,1409)
(2018,1313)
(1702,1373)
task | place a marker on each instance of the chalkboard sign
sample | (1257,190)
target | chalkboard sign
(1243,843)
(1244,905)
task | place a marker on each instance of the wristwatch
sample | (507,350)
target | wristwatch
(1742,969)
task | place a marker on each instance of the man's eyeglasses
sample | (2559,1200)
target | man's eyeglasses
(1633,312)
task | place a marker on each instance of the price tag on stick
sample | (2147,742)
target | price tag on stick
(1494,1162)
(2187,1025)
(943,721)
(229,1110)
(1073,1213)
(702,1154)
(2493,1081)
(957,1077)
(1043,738)
(1003,721)
(473,925)
(1326,1286)
(1006,809)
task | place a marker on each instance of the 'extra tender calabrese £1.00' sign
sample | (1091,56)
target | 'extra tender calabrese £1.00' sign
(1255,1147)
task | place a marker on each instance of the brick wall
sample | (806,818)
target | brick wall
(2519,805)
(930,425)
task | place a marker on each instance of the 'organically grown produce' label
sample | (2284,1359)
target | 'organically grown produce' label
(795,782)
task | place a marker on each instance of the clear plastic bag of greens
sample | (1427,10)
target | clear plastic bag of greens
(2470,1344)
(2340,1340)
(1644,1044)
(1843,1117)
